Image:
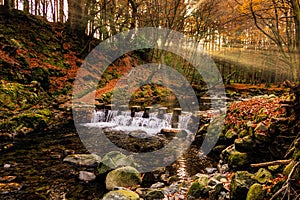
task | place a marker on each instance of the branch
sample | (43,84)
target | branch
(276,162)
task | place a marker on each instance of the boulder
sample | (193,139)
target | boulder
(113,160)
(88,160)
(231,135)
(244,144)
(240,184)
(121,195)
(256,192)
(199,187)
(86,176)
(238,159)
(263,175)
(123,177)
(154,195)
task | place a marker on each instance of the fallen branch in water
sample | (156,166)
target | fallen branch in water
(271,163)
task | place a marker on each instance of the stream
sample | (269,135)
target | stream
(34,169)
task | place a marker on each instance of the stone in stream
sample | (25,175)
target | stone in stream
(123,177)
(114,159)
(88,160)
(238,159)
(121,195)
(86,176)
(256,192)
(240,184)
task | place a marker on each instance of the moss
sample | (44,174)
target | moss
(287,170)
(238,159)
(256,192)
(197,189)
(263,175)
(121,194)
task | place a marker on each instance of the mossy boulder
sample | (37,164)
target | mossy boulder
(263,175)
(244,144)
(113,160)
(154,194)
(238,159)
(243,133)
(121,195)
(199,187)
(123,177)
(256,192)
(240,184)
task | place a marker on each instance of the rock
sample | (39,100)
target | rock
(228,151)
(231,135)
(256,192)
(243,133)
(263,175)
(244,144)
(240,184)
(262,136)
(86,176)
(261,127)
(157,185)
(238,159)
(112,160)
(139,134)
(88,160)
(123,177)
(287,170)
(154,195)
(121,195)
(210,170)
(199,187)
(170,132)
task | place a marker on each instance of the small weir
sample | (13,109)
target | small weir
(135,117)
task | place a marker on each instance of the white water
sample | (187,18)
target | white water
(123,119)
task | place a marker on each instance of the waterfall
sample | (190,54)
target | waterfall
(124,119)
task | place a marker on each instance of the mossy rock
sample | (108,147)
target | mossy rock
(113,160)
(123,177)
(231,135)
(244,144)
(256,192)
(243,133)
(154,195)
(287,170)
(240,184)
(198,188)
(263,175)
(121,195)
(238,159)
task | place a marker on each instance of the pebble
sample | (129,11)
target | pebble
(86,176)
(157,185)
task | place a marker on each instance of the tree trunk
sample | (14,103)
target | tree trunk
(26,6)
(61,11)
(78,17)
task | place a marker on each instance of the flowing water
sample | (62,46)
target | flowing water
(34,167)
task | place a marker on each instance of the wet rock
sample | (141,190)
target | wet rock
(121,195)
(86,176)
(170,132)
(154,195)
(157,185)
(199,187)
(123,177)
(228,151)
(243,133)
(263,175)
(238,159)
(139,134)
(256,192)
(113,160)
(88,160)
(210,170)
(261,127)
(240,184)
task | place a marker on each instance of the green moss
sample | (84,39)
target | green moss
(263,175)
(121,194)
(256,192)
(238,159)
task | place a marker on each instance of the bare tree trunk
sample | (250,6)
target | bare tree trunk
(26,6)
(61,11)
